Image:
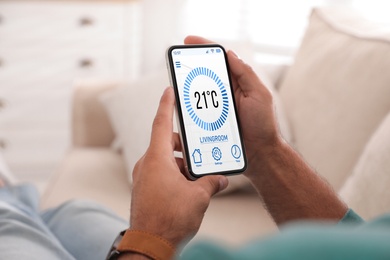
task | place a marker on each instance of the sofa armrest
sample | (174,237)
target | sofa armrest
(90,123)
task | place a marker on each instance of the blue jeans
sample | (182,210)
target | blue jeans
(75,230)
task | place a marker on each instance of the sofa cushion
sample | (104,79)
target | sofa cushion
(367,189)
(97,174)
(131,109)
(337,91)
(91,125)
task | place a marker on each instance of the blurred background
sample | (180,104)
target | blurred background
(45,46)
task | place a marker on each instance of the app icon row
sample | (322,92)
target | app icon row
(216,153)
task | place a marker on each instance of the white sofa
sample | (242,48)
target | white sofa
(336,97)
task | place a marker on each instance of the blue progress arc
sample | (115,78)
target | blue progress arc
(208,126)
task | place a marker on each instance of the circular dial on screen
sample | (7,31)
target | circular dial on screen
(206,99)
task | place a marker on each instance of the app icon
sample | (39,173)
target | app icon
(217,154)
(197,156)
(236,151)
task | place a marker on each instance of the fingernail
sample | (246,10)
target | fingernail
(223,183)
(234,54)
(167,89)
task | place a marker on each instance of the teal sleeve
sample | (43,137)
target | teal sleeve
(350,239)
(351,218)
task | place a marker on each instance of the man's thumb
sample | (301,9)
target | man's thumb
(214,183)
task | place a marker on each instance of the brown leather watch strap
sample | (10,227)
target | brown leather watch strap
(147,244)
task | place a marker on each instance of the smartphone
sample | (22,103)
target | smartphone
(205,108)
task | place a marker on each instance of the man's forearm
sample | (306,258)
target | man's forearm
(290,189)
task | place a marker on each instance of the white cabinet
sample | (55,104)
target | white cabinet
(44,47)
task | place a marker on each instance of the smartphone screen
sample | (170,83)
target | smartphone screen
(206,110)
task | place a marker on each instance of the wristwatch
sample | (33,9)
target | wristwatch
(113,254)
(141,242)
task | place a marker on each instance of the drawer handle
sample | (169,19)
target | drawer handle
(3,144)
(85,21)
(85,63)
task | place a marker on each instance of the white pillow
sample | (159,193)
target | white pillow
(367,190)
(132,108)
(337,91)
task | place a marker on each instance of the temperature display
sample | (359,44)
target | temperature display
(212,94)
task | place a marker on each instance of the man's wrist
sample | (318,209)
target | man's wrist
(137,243)
(133,256)
(264,157)
(174,237)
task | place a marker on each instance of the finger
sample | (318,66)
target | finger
(213,183)
(176,142)
(243,73)
(192,39)
(180,164)
(162,128)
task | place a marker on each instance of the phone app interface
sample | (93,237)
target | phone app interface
(209,116)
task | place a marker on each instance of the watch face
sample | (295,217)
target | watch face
(114,253)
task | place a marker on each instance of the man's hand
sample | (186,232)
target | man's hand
(163,201)
(290,188)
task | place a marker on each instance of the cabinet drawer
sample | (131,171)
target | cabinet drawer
(55,23)
(27,70)
(48,111)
